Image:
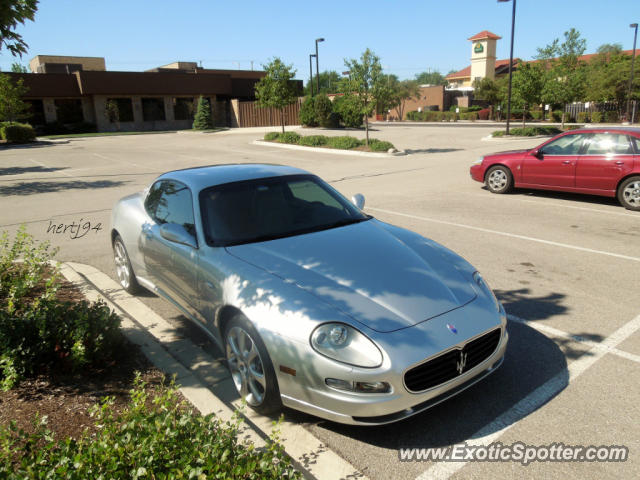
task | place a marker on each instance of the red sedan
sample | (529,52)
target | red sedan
(598,161)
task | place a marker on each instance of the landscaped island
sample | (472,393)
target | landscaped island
(322,141)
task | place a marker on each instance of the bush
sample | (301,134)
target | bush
(379,145)
(17,133)
(583,117)
(611,117)
(475,108)
(529,131)
(349,110)
(289,137)
(484,114)
(312,140)
(334,120)
(307,113)
(343,143)
(202,119)
(536,114)
(156,436)
(596,117)
(272,136)
(322,108)
(37,332)
(556,115)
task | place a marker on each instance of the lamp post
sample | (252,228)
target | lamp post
(633,59)
(318,40)
(513,25)
(311,55)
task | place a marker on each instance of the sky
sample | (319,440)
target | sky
(408,36)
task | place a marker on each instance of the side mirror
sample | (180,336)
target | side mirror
(358,200)
(537,153)
(177,234)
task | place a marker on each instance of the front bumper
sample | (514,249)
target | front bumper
(477,173)
(380,409)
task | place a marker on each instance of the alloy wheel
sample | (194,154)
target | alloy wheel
(122,264)
(245,364)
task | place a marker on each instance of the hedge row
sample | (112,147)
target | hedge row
(342,143)
(321,111)
(529,131)
(17,132)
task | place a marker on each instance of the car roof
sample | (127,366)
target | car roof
(612,129)
(198,178)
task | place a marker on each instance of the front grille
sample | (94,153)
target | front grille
(452,364)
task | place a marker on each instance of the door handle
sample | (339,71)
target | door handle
(619,162)
(567,162)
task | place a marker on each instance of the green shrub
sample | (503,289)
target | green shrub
(343,143)
(611,117)
(271,136)
(17,133)
(323,108)
(307,113)
(583,117)
(379,145)
(313,140)
(529,131)
(155,436)
(349,110)
(37,332)
(536,114)
(556,115)
(596,117)
(498,133)
(475,108)
(289,137)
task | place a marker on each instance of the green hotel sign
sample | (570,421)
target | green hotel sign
(478,48)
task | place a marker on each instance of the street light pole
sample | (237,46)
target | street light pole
(513,26)
(311,55)
(633,59)
(318,40)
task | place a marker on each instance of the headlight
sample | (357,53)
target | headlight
(345,344)
(478,161)
(487,291)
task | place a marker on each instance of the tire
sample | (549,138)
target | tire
(250,366)
(629,193)
(499,179)
(124,272)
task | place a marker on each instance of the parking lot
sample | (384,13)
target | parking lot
(566,267)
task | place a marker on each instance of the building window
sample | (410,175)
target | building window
(69,110)
(152,109)
(119,110)
(183,108)
(36,112)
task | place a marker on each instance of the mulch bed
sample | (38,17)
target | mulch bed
(66,398)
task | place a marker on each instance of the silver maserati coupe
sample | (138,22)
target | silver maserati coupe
(318,306)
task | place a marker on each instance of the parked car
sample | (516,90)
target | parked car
(598,161)
(317,305)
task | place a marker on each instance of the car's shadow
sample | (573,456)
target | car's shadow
(576,197)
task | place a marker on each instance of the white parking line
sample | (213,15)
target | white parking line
(541,395)
(62,172)
(510,235)
(541,327)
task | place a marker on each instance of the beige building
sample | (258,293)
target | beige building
(66,64)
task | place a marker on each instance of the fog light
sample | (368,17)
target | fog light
(373,387)
(339,384)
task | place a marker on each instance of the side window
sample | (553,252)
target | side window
(566,145)
(169,201)
(636,144)
(608,143)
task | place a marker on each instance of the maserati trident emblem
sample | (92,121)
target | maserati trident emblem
(451,328)
(460,364)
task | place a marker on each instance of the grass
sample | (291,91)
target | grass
(321,141)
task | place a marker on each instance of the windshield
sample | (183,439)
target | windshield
(269,208)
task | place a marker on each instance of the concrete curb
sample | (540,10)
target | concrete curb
(203,380)
(333,151)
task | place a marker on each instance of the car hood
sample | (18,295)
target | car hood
(510,153)
(366,272)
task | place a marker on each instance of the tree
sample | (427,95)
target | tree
(329,83)
(430,77)
(202,119)
(565,73)
(12,107)
(528,82)
(112,112)
(610,48)
(366,83)
(608,79)
(13,12)
(489,90)
(276,89)
(403,91)
(18,68)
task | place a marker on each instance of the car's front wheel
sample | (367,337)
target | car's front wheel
(124,272)
(499,179)
(629,193)
(250,366)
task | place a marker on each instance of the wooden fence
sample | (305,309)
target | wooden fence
(250,115)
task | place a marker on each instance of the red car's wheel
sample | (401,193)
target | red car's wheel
(499,179)
(629,193)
